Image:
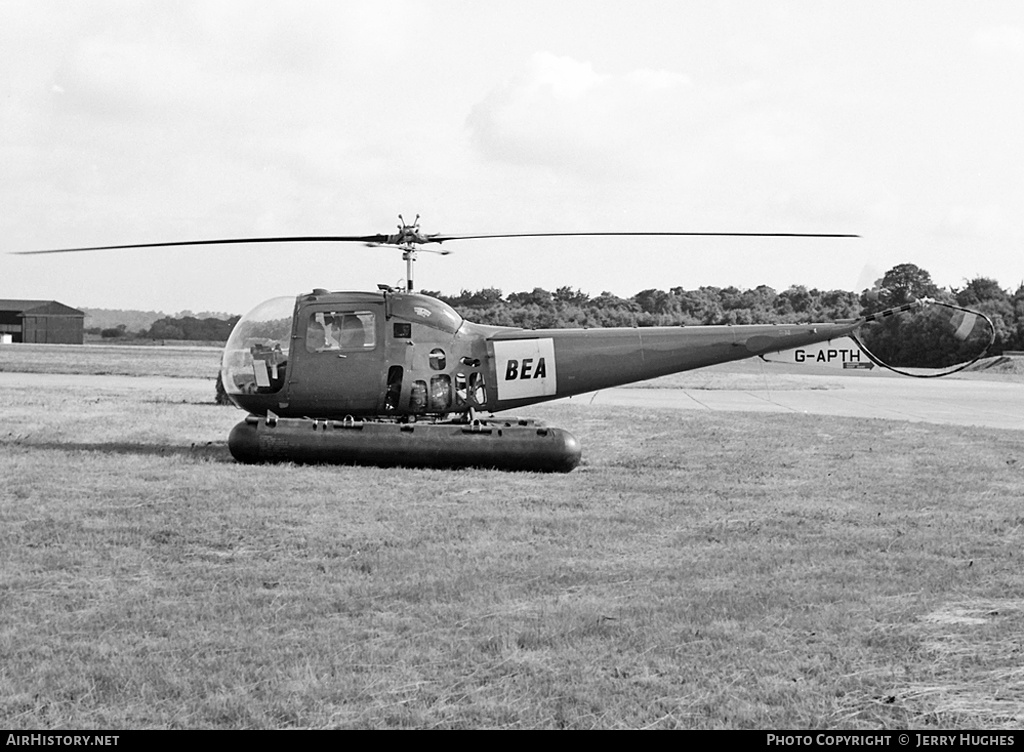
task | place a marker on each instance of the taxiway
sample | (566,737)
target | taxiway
(951,401)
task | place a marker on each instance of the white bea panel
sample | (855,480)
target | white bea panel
(525,368)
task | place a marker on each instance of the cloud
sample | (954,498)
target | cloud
(650,127)
(562,114)
(983,221)
(128,79)
(771,135)
(1001,41)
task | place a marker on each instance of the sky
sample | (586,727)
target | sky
(137,122)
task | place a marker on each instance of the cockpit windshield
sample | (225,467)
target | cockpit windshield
(256,355)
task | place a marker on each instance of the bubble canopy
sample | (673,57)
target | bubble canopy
(264,334)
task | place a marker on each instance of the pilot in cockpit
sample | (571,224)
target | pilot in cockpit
(335,331)
(350,333)
(316,335)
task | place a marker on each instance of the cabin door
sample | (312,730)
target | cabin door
(340,365)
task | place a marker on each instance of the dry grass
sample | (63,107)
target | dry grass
(702,570)
(969,671)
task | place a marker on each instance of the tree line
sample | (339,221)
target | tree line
(707,305)
(569,307)
(188,328)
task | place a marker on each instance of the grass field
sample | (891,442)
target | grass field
(117,360)
(699,570)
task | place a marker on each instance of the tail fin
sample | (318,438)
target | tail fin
(931,337)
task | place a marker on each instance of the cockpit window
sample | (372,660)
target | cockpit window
(341,330)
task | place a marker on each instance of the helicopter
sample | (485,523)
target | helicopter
(394,377)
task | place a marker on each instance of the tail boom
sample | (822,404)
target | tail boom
(536,365)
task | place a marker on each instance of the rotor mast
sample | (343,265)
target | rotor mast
(409,254)
(408,237)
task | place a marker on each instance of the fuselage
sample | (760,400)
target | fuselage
(402,355)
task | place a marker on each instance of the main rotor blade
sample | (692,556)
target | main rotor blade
(224,241)
(389,239)
(443,238)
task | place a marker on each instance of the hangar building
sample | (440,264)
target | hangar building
(40,321)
